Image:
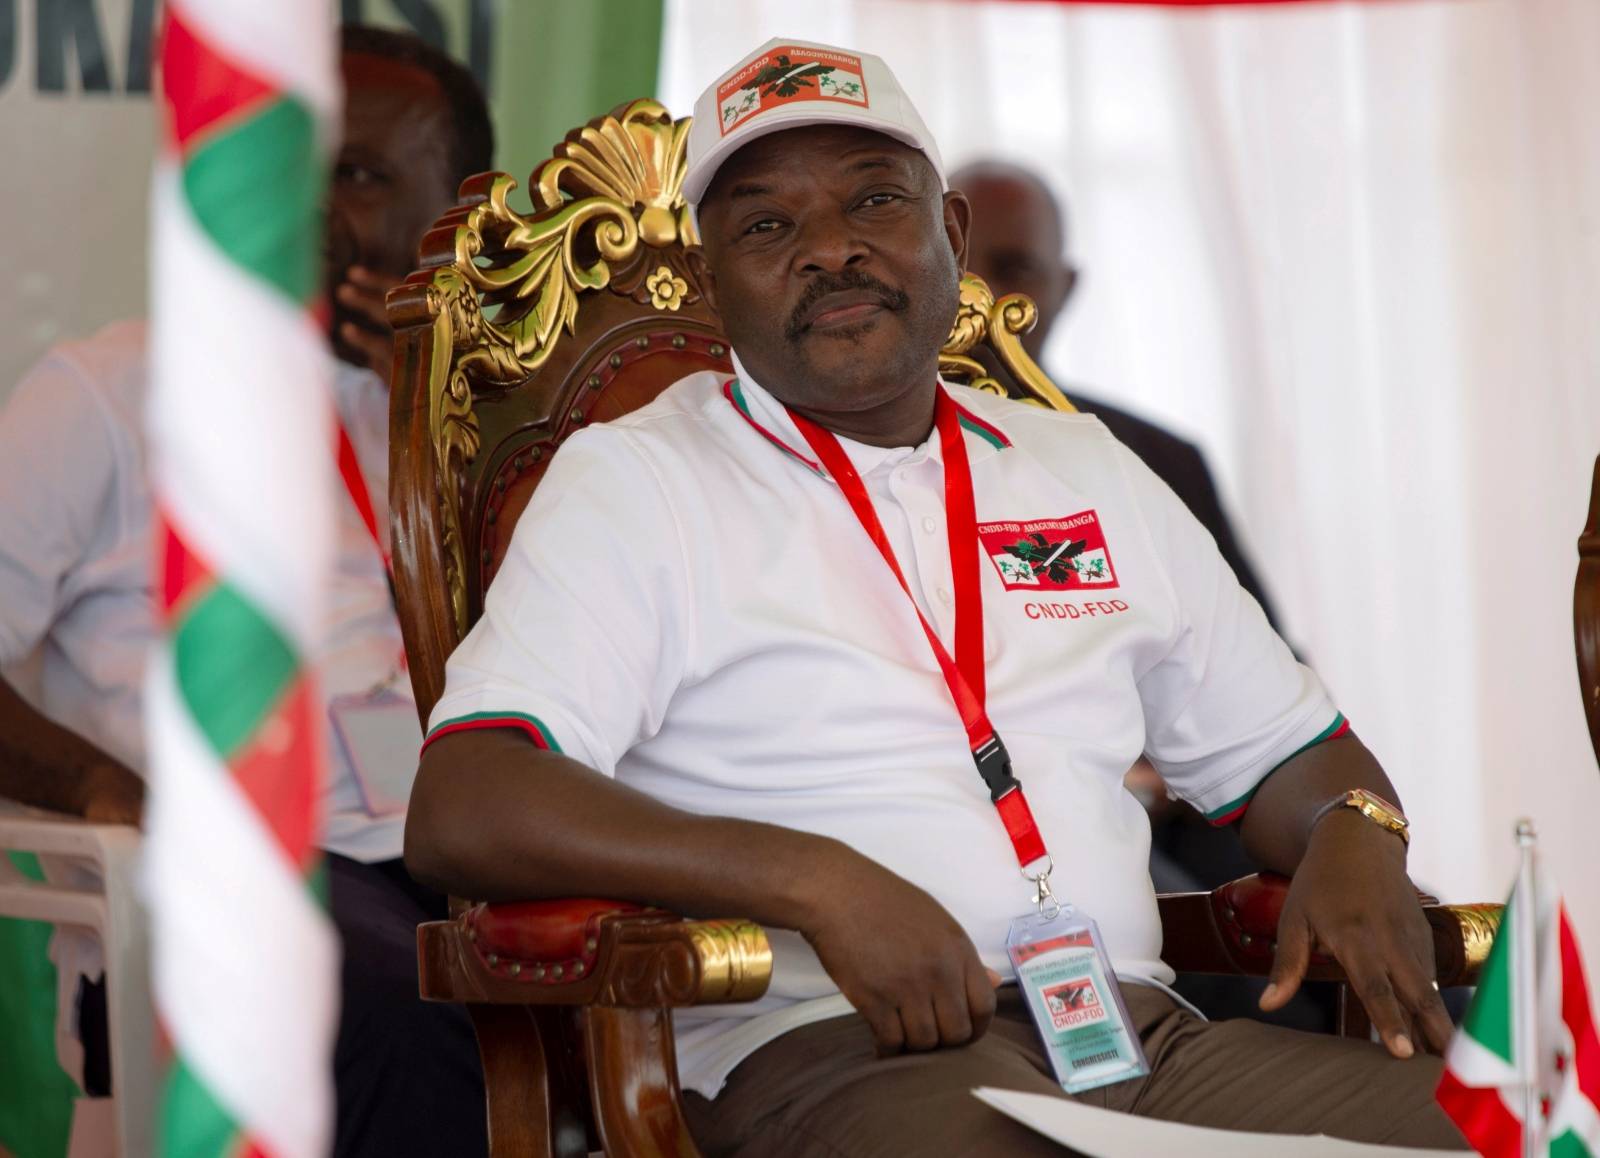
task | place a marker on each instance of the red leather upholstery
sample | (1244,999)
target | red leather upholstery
(1247,912)
(542,941)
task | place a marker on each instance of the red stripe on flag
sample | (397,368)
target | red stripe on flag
(1481,1117)
(1579,1014)
(202,86)
(182,571)
(276,771)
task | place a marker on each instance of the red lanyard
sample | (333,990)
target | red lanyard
(356,484)
(963,674)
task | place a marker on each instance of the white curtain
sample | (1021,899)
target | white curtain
(1354,250)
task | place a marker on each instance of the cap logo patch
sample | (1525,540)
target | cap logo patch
(788,74)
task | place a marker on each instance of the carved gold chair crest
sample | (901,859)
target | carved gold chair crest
(517,329)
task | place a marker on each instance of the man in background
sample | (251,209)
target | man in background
(1018,245)
(76,587)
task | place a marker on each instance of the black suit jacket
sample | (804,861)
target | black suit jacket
(1182,467)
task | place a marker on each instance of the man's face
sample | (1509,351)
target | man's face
(392,177)
(832,257)
(1015,245)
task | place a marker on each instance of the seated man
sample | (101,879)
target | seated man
(715,674)
(76,578)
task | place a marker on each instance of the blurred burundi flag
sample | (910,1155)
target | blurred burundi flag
(1522,1077)
(241,457)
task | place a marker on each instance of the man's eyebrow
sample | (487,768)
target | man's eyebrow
(877,161)
(748,189)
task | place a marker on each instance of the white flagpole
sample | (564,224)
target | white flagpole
(1525,997)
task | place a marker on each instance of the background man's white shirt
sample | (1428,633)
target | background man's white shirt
(693,611)
(76,574)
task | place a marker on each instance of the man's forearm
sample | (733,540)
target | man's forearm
(492,817)
(48,766)
(1277,827)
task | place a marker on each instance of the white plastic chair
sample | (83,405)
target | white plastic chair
(91,875)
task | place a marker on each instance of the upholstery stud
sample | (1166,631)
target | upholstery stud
(516,968)
(615,361)
(716,350)
(679,341)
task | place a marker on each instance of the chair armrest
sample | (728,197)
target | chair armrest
(590,952)
(1234,929)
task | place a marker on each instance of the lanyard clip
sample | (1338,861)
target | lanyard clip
(994,765)
(1049,905)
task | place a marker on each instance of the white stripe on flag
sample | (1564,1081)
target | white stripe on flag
(239,374)
(297,56)
(237,937)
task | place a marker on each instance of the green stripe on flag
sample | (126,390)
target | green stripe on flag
(256,189)
(1488,1018)
(193,1125)
(232,664)
(1569,1145)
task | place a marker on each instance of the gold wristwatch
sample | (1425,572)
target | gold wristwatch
(1374,807)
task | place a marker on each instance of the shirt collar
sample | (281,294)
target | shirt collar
(771,419)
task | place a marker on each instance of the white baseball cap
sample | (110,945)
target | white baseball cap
(788,83)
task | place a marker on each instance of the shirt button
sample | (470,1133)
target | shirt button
(928,524)
(945,596)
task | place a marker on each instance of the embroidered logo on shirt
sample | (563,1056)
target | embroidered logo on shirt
(788,74)
(1067,554)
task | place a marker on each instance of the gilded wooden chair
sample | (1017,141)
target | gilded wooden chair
(518,329)
(1586,613)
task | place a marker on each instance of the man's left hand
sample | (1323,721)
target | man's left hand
(1351,899)
(364,335)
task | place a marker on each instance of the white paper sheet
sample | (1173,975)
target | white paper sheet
(1106,1134)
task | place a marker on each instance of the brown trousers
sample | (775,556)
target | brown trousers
(821,1090)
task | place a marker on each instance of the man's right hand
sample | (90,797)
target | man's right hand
(112,795)
(901,960)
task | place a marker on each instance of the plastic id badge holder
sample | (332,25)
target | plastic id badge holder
(1072,993)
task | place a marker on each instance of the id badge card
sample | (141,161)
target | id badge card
(1072,993)
(380,736)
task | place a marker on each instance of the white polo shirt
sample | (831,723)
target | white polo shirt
(76,571)
(694,610)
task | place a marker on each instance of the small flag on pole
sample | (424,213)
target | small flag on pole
(241,461)
(1522,1076)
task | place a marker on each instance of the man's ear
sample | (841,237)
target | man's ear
(703,277)
(957,222)
(1069,282)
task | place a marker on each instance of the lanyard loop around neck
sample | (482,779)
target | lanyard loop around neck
(963,673)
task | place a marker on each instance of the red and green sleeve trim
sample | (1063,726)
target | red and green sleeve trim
(1234,809)
(536,729)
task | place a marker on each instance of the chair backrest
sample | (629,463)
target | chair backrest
(1586,613)
(518,329)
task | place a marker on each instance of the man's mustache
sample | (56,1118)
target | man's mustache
(825,284)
